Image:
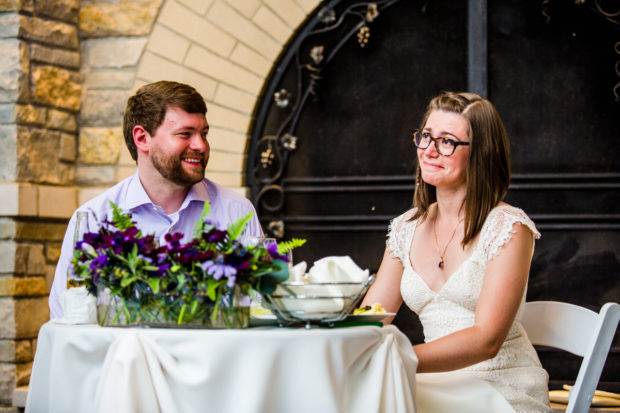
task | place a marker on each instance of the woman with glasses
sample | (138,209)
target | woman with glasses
(460,257)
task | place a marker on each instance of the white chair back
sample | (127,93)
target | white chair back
(579,331)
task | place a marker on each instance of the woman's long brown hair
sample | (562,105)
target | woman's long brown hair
(488,165)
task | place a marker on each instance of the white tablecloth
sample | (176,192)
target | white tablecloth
(87,368)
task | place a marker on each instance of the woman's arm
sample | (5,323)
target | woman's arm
(386,288)
(502,291)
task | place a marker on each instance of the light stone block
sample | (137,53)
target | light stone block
(187,23)
(167,43)
(235,99)
(118,79)
(49,32)
(153,68)
(251,60)
(7,349)
(8,154)
(67,147)
(246,7)
(35,115)
(55,56)
(226,162)
(8,379)
(9,25)
(7,228)
(10,67)
(288,10)
(123,18)
(272,24)
(8,250)
(56,87)
(20,394)
(96,175)
(227,179)
(103,107)
(100,146)
(199,6)
(123,172)
(57,201)
(86,194)
(30,315)
(227,140)
(8,112)
(238,26)
(114,53)
(57,119)
(308,5)
(7,322)
(212,65)
(228,119)
(18,199)
(125,158)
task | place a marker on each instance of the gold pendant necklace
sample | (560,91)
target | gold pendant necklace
(441,255)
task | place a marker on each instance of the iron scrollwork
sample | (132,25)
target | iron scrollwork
(311,52)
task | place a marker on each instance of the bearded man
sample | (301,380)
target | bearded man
(166,129)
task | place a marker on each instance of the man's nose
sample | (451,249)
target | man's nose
(199,143)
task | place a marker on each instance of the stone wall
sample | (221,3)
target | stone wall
(40,95)
(66,71)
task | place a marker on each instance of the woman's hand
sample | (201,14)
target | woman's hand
(386,288)
(502,291)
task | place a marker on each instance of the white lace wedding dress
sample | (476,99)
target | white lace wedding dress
(516,371)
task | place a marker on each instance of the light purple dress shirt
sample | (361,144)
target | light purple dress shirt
(129,194)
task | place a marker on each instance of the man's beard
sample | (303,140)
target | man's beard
(171,168)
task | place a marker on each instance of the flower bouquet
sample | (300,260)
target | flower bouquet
(207,282)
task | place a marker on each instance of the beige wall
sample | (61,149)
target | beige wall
(66,71)
(223,48)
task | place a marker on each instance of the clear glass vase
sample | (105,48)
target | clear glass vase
(166,311)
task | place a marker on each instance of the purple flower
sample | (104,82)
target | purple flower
(216,235)
(219,270)
(272,249)
(99,262)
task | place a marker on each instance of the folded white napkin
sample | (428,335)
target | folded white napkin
(297,272)
(78,307)
(332,269)
(336,269)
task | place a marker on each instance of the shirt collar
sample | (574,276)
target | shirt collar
(137,196)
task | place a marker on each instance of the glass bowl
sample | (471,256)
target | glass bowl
(315,302)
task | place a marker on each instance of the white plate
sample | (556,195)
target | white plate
(359,318)
(271,320)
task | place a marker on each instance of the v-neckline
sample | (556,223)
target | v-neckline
(451,276)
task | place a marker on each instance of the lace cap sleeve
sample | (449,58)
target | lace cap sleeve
(399,232)
(499,228)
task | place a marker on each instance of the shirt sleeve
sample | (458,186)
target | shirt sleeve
(59,286)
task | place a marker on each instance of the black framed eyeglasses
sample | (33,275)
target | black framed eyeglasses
(444,146)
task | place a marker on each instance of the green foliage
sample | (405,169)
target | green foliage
(121,219)
(286,246)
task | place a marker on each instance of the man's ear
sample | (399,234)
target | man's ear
(141,138)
